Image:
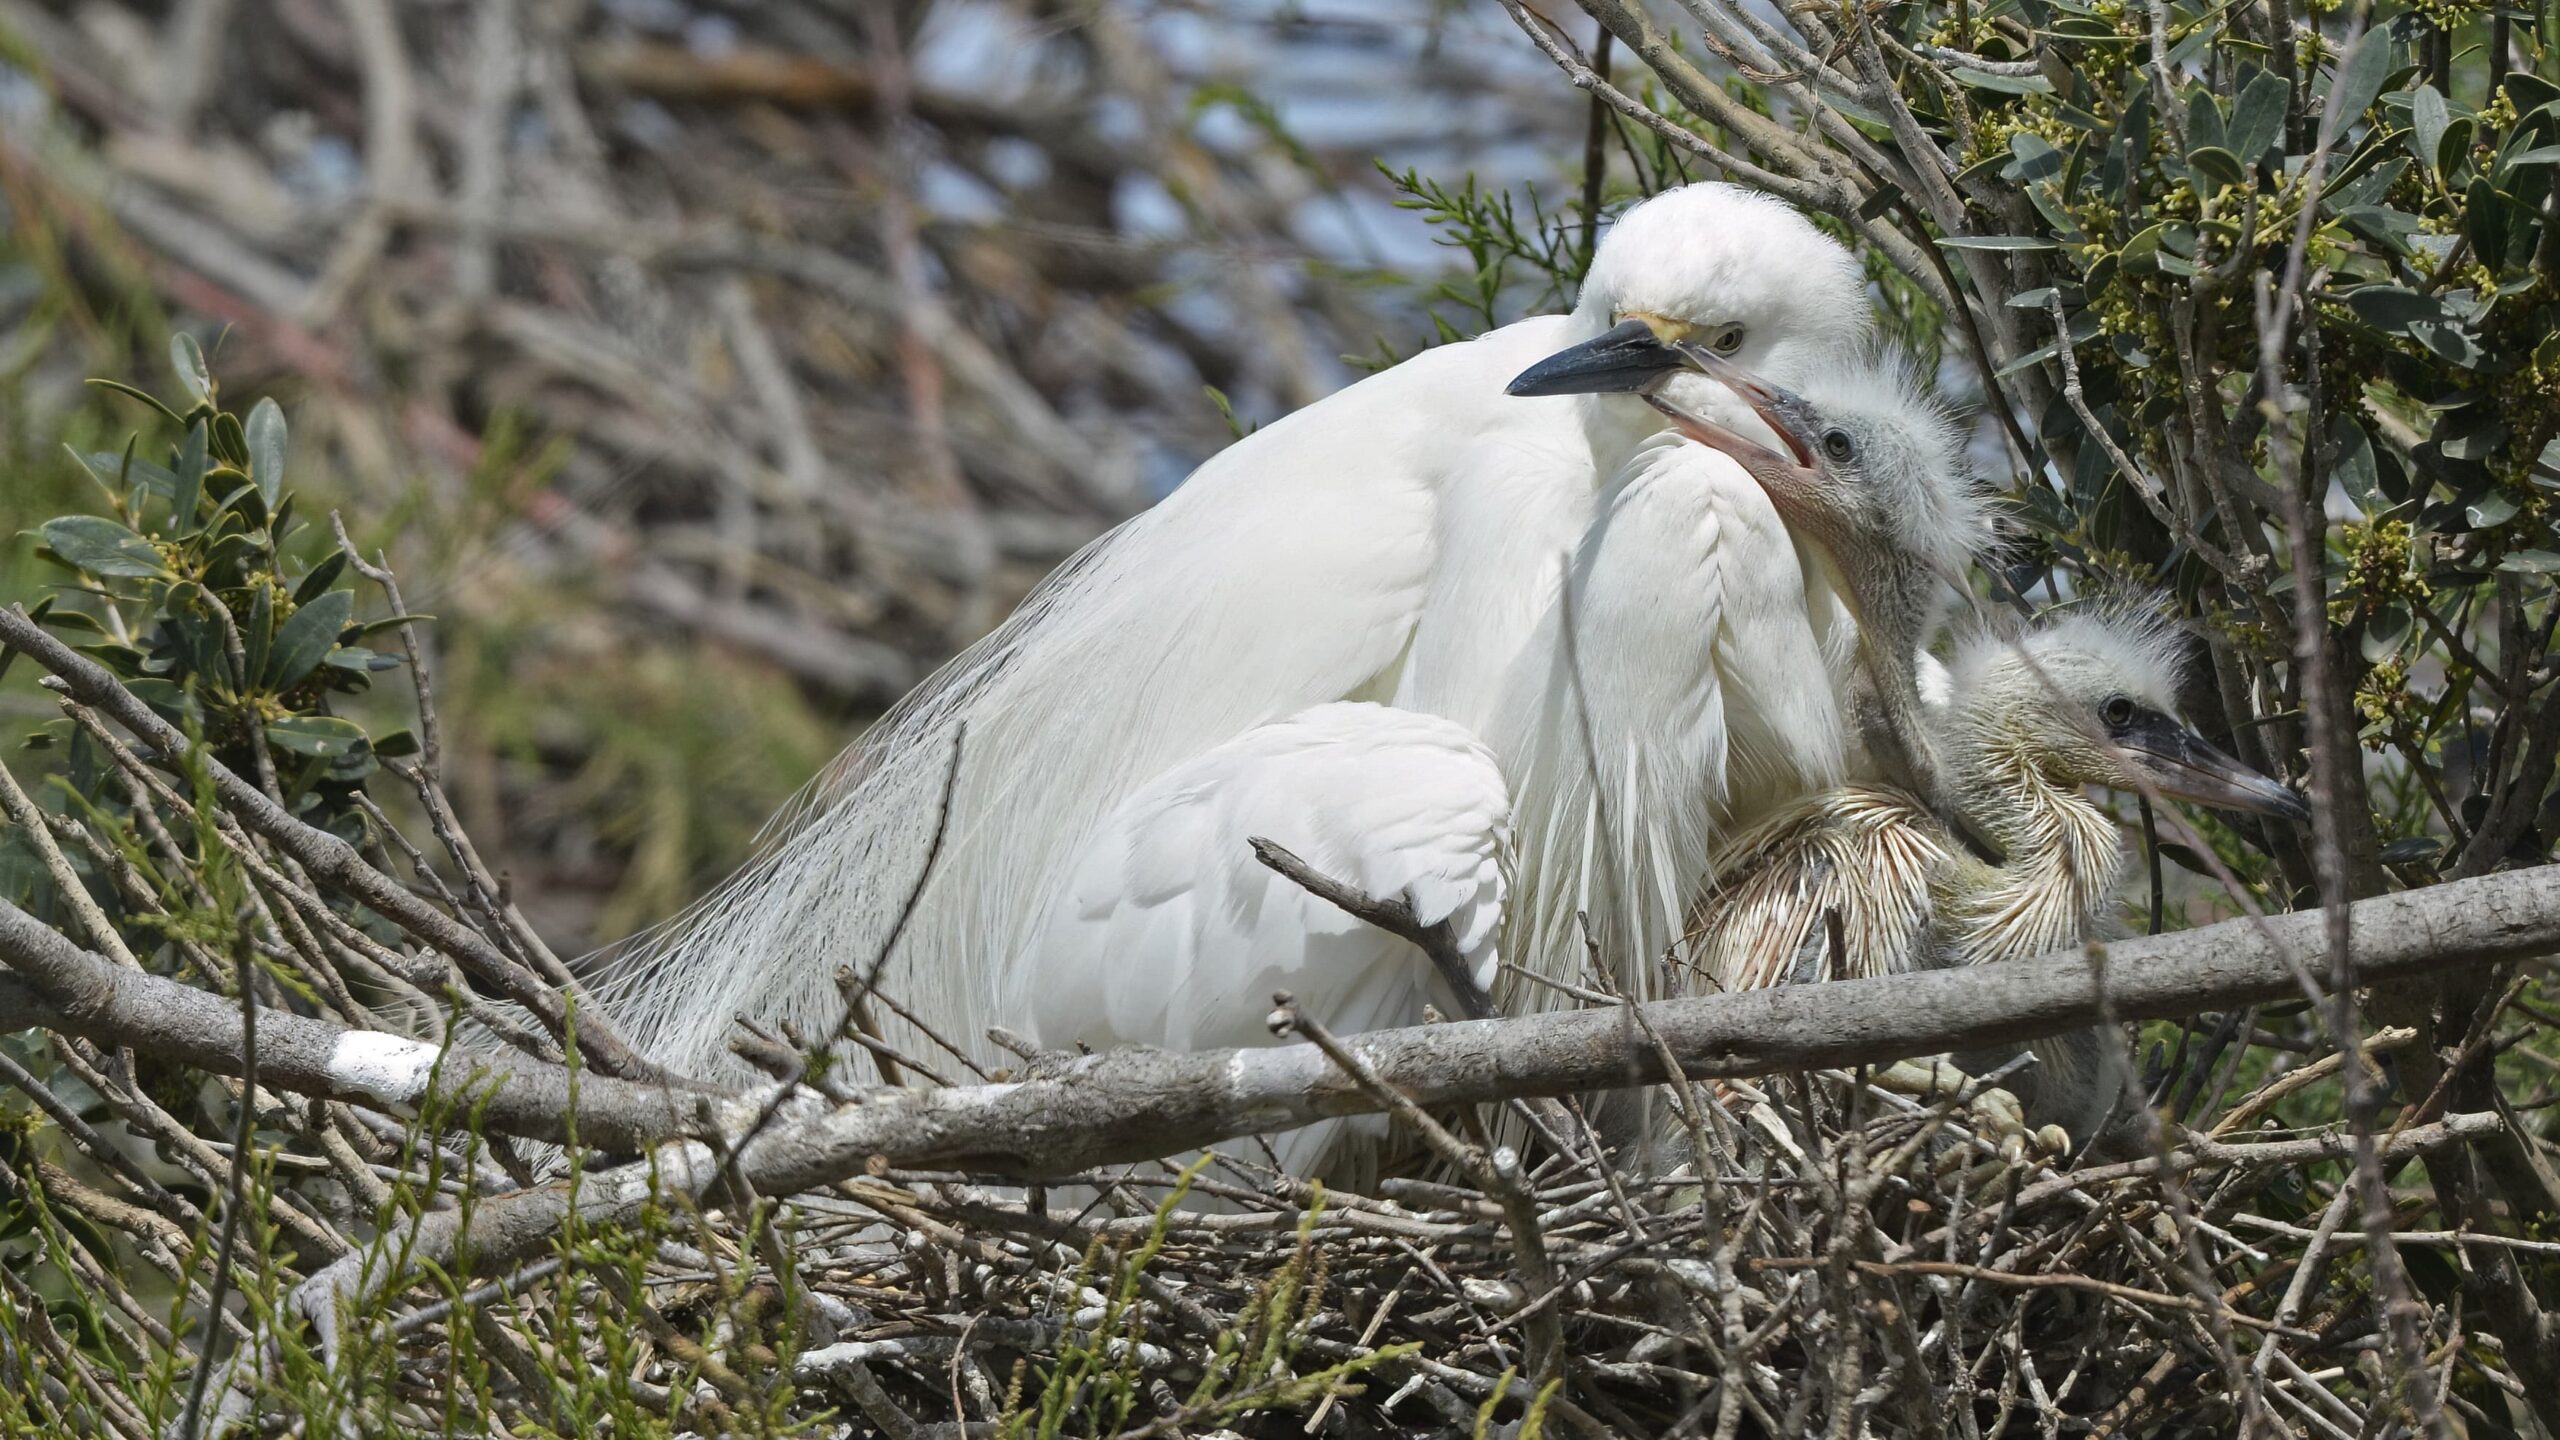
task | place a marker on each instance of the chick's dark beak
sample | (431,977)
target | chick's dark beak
(1624,361)
(1781,411)
(2182,766)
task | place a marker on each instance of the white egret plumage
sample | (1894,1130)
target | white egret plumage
(1172,933)
(1396,542)
(1674,673)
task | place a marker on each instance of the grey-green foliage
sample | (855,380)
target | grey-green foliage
(203,591)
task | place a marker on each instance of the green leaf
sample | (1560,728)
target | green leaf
(187,481)
(2364,179)
(2354,466)
(2394,308)
(1995,242)
(326,736)
(2035,160)
(2470,434)
(2539,155)
(2450,341)
(2184,53)
(2531,562)
(2386,633)
(358,660)
(2494,508)
(200,649)
(76,620)
(2204,118)
(258,632)
(266,449)
(2219,164)
(395,744)
(250,505)
(2142,252)
(145,396)
(2454,147)
(118,475)
(2530,92)
(187,358)
(322,576)
(2257,118)
(389,622)
(2493,219)
(2130,148)
(167,697)
(2358,80)
(2411,850)
(99,546)
(2382,225)
(2000,84)
(305,639)
(2428,117)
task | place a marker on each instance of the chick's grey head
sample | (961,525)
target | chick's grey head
(1871,469)
(1737,273)
(2091,698)
(1867,467)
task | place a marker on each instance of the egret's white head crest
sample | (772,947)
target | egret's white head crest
(1736,269)
(1729,270)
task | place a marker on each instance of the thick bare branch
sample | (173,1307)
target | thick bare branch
(328,859)
(60,987)
(1138,1104)
(1135,1104)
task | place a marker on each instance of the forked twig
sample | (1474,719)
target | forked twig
(1438,941)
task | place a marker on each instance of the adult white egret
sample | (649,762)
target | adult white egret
(1866,880)
(1677,655)
(1396,541)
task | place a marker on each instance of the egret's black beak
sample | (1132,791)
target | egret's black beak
(1624,361)
(2182,766)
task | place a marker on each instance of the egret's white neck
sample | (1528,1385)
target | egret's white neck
(1615,425)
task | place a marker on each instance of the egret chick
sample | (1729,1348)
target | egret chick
(2085,699)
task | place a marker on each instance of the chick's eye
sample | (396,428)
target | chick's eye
(2117,711)
(1726,340)
(1838,445)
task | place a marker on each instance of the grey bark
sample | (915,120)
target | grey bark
(1134,1104)
(60,987)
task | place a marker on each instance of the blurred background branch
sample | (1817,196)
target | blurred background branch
(787,343)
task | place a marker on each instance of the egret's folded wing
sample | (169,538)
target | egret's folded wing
(1172,933)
